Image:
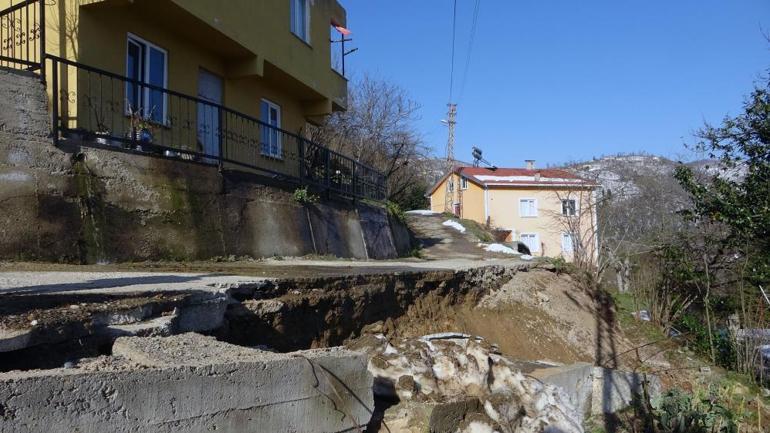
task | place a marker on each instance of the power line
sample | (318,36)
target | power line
(470,47)
(452,66)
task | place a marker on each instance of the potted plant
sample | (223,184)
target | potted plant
(141,126)
(102,131)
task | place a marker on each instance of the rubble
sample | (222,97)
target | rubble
(466,380)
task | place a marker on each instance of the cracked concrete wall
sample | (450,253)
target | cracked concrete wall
(190,383)
(88,205)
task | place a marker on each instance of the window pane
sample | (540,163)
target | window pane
(264,115)
(299,18)
(156,104)
(134,70)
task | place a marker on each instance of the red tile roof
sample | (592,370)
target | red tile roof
(520,177)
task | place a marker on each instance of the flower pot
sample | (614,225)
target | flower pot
(145,136)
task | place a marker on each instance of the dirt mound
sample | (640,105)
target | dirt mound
(538,315)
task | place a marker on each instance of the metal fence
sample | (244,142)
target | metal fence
(22,37)
(108,110)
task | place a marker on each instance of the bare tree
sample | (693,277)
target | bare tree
(379,129)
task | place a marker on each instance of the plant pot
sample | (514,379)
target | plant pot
(145,136)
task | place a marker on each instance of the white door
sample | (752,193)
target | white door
(532,241)
(210,90)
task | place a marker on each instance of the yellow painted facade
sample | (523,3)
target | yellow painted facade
(499,207)
(248,44)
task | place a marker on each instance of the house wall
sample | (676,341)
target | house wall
(248,44)
(471,200)
(549,224)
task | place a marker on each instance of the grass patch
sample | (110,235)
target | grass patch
(477,230)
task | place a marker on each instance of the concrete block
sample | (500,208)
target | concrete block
(597,390)
(430,417)
(615,390)
(576,380)
(192,384)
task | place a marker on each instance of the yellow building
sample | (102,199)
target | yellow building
(552,212)
(237,80)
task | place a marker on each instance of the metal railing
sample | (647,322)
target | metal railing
(22,36)
(105,109)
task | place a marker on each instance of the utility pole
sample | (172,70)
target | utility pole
(450,158)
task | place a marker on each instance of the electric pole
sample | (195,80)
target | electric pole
(450,158)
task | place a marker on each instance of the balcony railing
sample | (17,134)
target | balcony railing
(108,110)
(22,37)
(93,106)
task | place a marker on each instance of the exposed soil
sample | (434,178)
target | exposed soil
(19,311)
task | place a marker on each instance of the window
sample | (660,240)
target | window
(569,207)
(300,19)
(527,207)
(567,242)
(146,63)
(531,240)
(337,49)
(463,183)
(271,134)
(451,186)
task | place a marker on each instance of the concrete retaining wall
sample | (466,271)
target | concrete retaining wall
(91,205)
(190,383)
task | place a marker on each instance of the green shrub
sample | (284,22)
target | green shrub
(680,412)
(303,196)
(395,211)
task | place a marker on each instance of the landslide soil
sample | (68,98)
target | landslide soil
(538,315)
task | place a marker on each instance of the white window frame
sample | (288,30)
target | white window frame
(130,37)
(537,241)
(464,183)
(567,236)
(562,207)
(306,20)
(279,147)
(535,208)
(451,185)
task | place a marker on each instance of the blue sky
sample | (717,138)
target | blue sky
(562,80)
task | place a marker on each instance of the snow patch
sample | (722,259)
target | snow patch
(500,248)
(421,212)
(526,257)
(455,225)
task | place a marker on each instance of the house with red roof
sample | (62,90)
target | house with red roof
(551,211)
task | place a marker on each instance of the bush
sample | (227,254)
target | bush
(395,211)
(303,196)
(680,412)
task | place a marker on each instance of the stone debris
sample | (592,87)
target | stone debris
(454,368)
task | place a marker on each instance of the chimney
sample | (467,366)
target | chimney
(530,164)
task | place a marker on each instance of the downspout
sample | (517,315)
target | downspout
(486,204)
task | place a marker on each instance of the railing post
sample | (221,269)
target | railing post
(328,167)
(355,179)
(301,153)
(42,40)
(221,138)
(55,101)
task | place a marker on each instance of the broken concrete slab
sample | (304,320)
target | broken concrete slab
(120,282)
(597,390)
(192,383)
